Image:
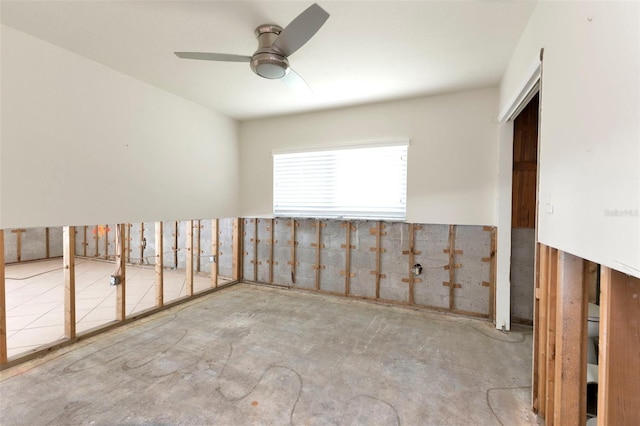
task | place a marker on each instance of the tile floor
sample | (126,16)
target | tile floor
(35,298)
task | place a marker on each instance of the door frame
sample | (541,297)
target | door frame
(527,89)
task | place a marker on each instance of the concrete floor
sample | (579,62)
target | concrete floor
(257,355)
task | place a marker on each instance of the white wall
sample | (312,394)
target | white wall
(452,163)
(84,144)
(590,127)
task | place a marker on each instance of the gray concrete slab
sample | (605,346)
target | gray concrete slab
(258,355)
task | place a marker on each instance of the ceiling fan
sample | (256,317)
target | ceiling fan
(275,45)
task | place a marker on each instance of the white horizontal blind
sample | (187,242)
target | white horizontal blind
(364,182)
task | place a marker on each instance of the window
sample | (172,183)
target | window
(366,181)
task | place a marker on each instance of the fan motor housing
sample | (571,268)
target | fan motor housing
(267,61)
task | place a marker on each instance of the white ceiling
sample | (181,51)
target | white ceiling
(367,51)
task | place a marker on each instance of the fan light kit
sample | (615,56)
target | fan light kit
(275,45)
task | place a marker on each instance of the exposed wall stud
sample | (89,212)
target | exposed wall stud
(121,247)
(96,237)
(492,273)
(3,306)
(18,233)
(106,241)
(47,243)
(189,257)
(552,297)
(143,242)
(540,350)
(378,232)
(197,250)
(293,243)
(618,375)
(270,228)
(214,252)
(128,239)
(571,343)
(176,233)
(451,267)
(347,257)
(237,250)
(159,266)
(84,241)
(255,249)
(68,258)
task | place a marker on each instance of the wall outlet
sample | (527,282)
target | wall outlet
(212,259)
(114,280)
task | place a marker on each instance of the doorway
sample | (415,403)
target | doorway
(523,212)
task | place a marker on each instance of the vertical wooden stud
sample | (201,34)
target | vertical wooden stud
(121,247)
(143,242)
(492,274)
(84,241)
(47,243)
(237,250)
(271,237)
(452,267)
(411,262)
(3,309)
(552,297)
(378,250)
(214,252)
(189,257)
(106,241)
(293,250)
(176,229)
(347,259)
(317,255)
(198,250)
(619,363)
(255,249)
(68,255)
(159,266)
(571,343)
(127,228)
(96,236)
(18,233)
(540,350)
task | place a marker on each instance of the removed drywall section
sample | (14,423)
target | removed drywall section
(93,145)
(452,162)
(375,261)
(589,184)
(25,244)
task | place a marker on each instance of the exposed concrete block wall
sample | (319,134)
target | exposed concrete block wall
(225,247)
(98,241)
(379,267)
(34,244)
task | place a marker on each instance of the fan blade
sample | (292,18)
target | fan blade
(293,81)
(301,29)
(204,56)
